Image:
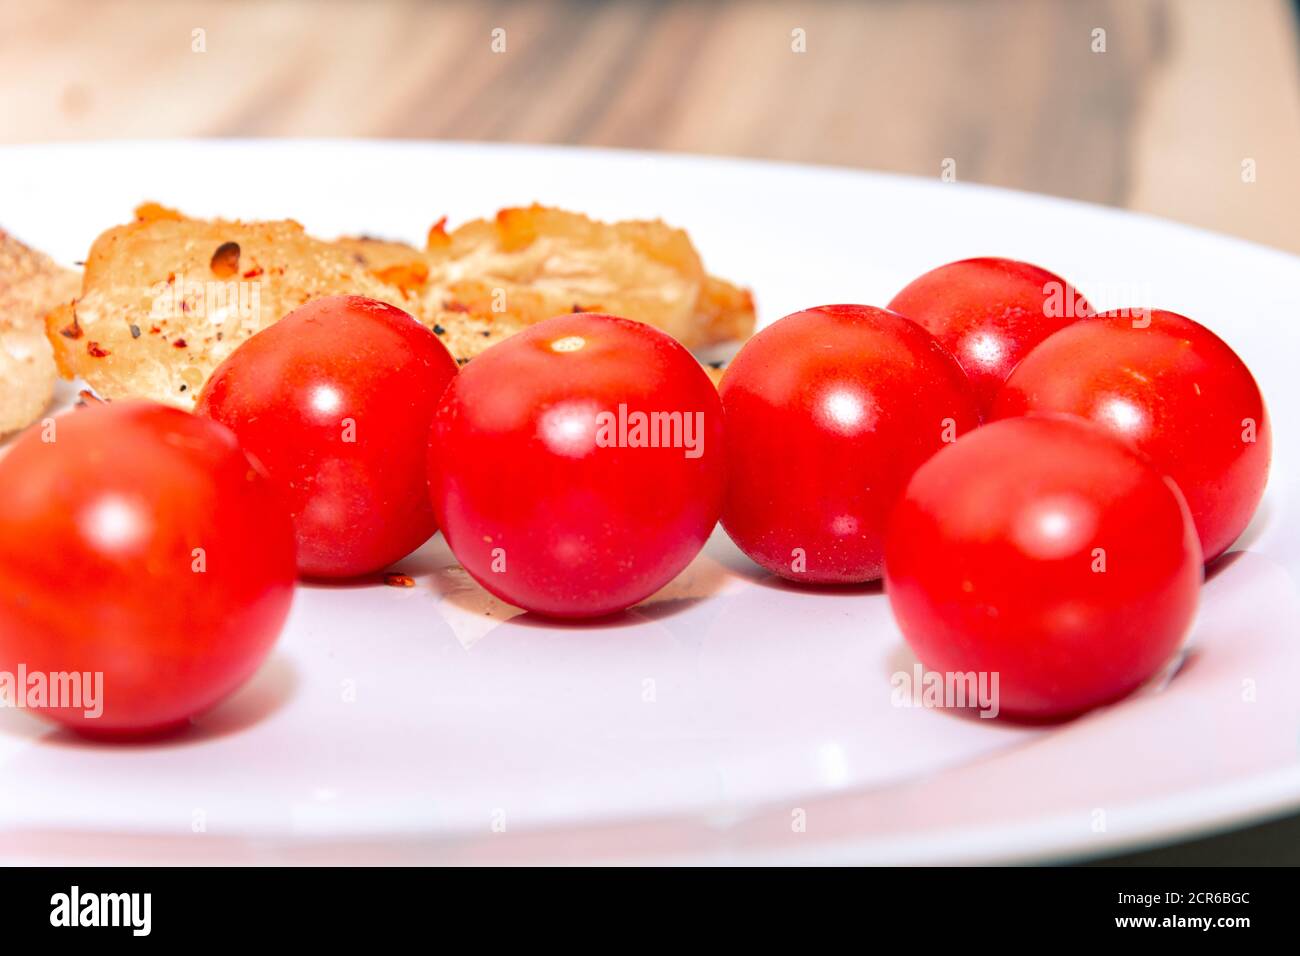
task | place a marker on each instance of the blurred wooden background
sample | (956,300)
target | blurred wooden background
(1189,99)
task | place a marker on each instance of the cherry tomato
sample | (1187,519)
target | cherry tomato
(1174,390)
(577,466)
(137,542)
(1049,553)
(989,313)
(335,400)
(829,411)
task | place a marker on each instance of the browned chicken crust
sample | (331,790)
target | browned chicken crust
(167,298)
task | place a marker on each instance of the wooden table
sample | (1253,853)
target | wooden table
(1187,95)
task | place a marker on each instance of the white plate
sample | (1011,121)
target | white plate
(731,718)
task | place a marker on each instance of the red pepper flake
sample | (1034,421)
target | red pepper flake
(453,306)
(399,580)
(407,276)
(155,330)
(178,344)
(253,273)
(438,235)
(225,261)
(96,350)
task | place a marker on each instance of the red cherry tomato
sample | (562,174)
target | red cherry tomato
(989,313)
(829,411)
(1174,390)
(335,400)
(137,542)
(1047,552)
(544,472)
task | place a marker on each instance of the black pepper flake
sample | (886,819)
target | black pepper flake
(485,333)
(461,361)
(716,364)
(135,331)
(438,329)
(185,388)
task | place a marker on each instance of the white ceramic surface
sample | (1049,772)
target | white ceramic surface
(730,719)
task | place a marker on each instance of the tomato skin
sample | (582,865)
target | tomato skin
(992,564)
(99,569)
(829,411)
(989,312)
(334,401)
(541,513)
(1176,392)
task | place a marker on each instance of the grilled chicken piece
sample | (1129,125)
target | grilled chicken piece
(166,298)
